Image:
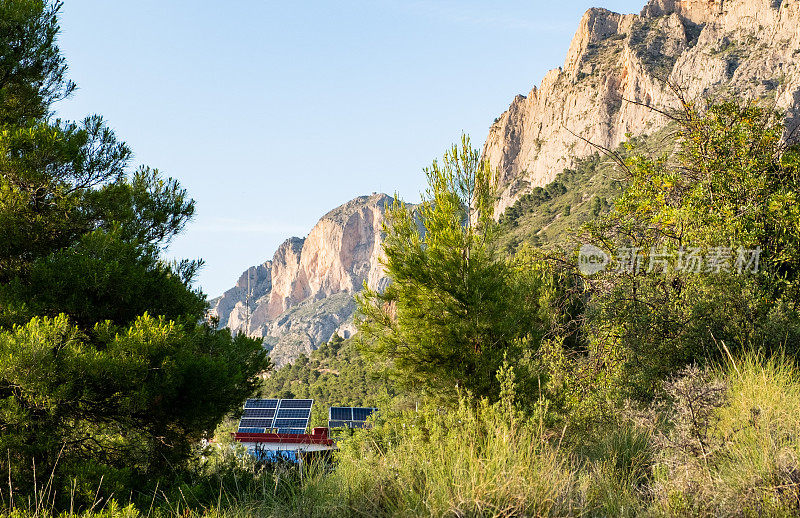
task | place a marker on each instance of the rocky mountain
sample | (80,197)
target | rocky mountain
(304,294)
(619,67)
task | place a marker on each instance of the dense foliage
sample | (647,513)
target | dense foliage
(704,244)
(107,370)
(720,442)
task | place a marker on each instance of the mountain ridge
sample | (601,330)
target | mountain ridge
(616,71)
(303,295)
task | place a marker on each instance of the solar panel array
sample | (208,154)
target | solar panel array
(348,416)
(278,415)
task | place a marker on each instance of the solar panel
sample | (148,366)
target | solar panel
(349,417)
(250,430)
(283,415)
(259,423)
(261,403)
(296,403)
(361,414)
(259,412)
(290,423)
(341,413)
(291,430)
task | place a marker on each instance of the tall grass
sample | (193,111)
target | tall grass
(760,467)
(754,469)
(465,462)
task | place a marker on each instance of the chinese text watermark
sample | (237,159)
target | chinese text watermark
(721,259)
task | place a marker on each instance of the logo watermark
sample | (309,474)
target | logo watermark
(592,260)
(720,259)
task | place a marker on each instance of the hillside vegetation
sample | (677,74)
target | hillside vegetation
(494,460)
(553,214)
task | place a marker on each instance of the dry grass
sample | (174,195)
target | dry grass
(753,469)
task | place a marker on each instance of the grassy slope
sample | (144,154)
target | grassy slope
(491,461)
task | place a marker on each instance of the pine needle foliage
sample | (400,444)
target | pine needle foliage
(453,309)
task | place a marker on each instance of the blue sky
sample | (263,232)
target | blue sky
(273,113)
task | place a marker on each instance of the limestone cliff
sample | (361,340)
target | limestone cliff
(616,68)
(230,307)
(305,293)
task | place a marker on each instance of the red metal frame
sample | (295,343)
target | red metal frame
(317,436)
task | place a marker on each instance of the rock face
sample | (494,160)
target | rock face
(230,307)
(615,71)
(305,293)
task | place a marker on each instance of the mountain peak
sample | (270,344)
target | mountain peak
(695,11)
(619,66)
(311,280)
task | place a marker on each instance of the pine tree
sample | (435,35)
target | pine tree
(453,309)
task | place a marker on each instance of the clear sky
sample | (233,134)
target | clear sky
(272,113)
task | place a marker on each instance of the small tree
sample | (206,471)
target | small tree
(453,309)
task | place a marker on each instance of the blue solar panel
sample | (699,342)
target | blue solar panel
(361,414)
(261,403)
(341,413)
(292,430)
(259,412)
(261,423)
(250,430)
(349,417)
(285,413)
(290,423)
(296,403)
(282,414)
